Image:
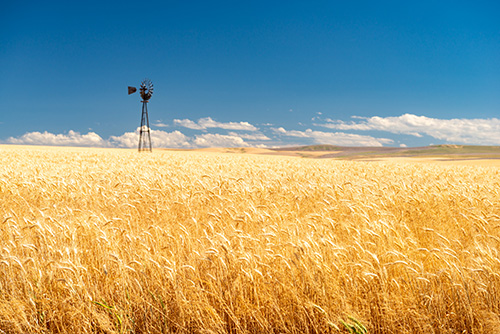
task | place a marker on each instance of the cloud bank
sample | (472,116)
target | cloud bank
(174,139)
(459,131)
(455,131)
(72,138)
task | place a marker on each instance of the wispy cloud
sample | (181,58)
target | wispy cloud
(334,138)
(207,122)
(464,131)
(160,124)
(187,123)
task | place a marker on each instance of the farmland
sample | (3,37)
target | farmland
(112,241)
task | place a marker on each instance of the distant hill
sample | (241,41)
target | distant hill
(449,151)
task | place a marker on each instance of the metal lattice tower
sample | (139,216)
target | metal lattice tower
(144,130)
(146,91)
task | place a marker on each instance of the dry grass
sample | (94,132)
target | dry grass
(110,241)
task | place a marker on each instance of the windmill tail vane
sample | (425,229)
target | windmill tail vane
(146,91)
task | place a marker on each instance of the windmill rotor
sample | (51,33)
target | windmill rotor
(146,89)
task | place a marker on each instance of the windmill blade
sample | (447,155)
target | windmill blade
(146,89)
(131,90)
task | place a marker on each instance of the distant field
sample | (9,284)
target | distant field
(112,241)
(465,155)
(442,151)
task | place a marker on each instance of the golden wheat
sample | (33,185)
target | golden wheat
(112,241)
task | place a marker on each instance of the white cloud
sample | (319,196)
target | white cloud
(334,138)
(159,138)
(459,131)
(126,140)
(217,140)
(207,122)
(160,124)
(290,133)
(465,131)
(187,123)
(174,139)
(72,138)
(255,136)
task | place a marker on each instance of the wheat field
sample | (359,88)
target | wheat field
(112,241)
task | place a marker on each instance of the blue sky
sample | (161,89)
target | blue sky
(259,73)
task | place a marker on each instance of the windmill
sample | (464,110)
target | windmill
(146,90)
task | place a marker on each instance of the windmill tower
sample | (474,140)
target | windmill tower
(146,91)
